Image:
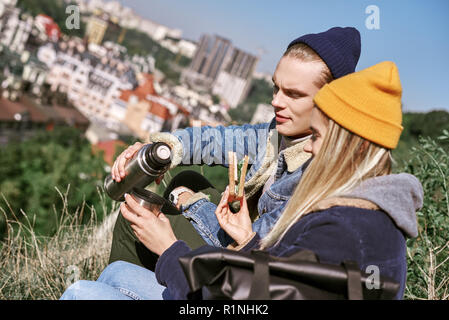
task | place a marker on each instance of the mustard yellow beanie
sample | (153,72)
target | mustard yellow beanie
(367,103)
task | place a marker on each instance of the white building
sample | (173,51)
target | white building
(219,67)
(184,47)
(92,82)
(15,28)
(128,19)
(157,31)
(264,113)
(187,48)
(231,88)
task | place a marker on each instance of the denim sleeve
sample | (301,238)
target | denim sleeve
(266,221)
(202,216)
(210,145)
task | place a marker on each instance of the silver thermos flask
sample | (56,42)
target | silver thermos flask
(149,163)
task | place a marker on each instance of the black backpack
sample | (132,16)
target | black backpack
(222,274)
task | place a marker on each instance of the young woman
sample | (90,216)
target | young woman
(309,62)
(347,206)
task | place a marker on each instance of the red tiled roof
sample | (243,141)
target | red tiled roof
(147,89)
(109,148)
(51,27)
(71,115)
(40,114)
(9,108)
(141,91)
(160,111)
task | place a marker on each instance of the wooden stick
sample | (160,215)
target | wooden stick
(242,176)
(231,173)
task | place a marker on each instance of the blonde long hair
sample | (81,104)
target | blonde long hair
(343,161)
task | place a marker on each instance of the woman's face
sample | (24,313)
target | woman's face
(318,126)
(295,83)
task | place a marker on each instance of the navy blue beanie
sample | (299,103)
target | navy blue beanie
(338,47)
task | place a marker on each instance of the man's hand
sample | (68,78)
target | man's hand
(118,168)
(237,225)
(153,229)
(183,197)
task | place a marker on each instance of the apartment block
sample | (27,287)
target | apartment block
(219,67)
(15,27)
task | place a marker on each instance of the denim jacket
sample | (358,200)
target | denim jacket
(210,145)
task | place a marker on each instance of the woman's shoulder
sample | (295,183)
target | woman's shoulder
(345,216)
(365,235)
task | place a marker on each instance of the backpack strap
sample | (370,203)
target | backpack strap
(355,291)
(261,278)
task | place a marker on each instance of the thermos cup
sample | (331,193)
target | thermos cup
(148,199)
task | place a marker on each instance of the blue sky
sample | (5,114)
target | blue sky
(413,33)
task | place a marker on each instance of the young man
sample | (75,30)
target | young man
(276,161)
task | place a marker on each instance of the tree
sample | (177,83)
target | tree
(32,174)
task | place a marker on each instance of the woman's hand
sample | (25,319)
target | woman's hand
(118,168)
(237,225)
(153,229)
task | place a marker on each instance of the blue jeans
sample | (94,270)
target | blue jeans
(119,281)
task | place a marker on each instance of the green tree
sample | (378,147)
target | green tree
(54,9)
(417,125)
(32,174)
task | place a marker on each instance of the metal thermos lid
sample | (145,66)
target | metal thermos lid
(159,154)
(163,153)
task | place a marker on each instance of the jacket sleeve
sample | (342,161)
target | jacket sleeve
(210,145)
(169,272)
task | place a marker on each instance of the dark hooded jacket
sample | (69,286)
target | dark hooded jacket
(372,235)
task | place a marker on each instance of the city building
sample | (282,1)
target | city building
(218,67)
(143,110)
(92,77)
(34,74)
(234,81)
(180,46)
(96,28)
(157,31)
(15,27)
(125,17)
(47,27)
(209,59)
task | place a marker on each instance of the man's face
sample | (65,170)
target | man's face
(294,86)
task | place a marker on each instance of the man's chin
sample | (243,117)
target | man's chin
(287,131)
(282,130)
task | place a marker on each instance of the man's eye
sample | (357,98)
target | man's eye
(294,95)
(275,89)
(314,136)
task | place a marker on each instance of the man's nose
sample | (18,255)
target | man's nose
(278,101)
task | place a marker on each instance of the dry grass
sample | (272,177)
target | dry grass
(35,267)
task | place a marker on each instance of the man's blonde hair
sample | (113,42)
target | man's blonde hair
(305,53)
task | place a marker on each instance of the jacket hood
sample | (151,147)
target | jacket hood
(399,195)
